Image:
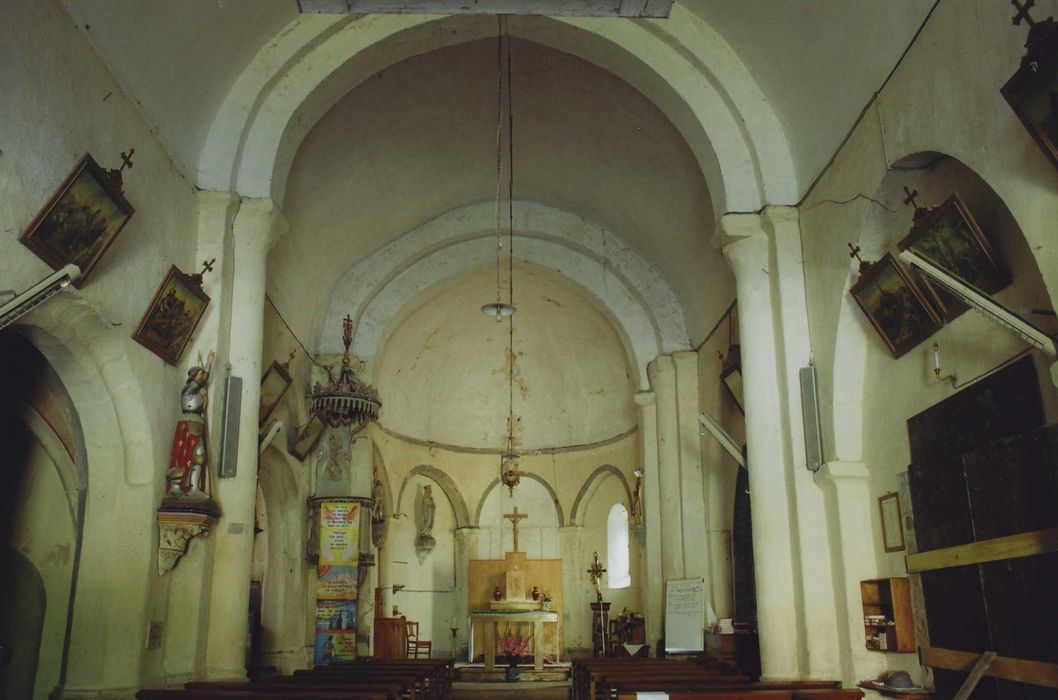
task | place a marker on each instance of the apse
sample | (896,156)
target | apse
(442,367)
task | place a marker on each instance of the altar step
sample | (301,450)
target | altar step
(476,673)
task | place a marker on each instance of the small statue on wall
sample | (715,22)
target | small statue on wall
(424,541)
(637,500)
(186,476)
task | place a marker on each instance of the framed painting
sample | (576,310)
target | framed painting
(896,308)
(1032,93)
(274,385)
(951,239)
(172,316)
(80,221)
(892,522)
(307,438)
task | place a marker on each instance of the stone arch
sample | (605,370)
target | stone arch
(283,591)
(683,66)
(89,356)
(638,301)
(591,485)
(448,486)
(525,475)
(935,176)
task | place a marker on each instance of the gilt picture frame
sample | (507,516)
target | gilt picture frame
(172,316)
(80,221)
(950,238)
(274,385)
(895,306)
(307,438)
(1032,92)
(892,522)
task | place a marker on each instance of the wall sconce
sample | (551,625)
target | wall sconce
(936,368)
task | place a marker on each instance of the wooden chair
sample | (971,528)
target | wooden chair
(414,643)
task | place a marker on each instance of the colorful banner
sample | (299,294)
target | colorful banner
(336,577)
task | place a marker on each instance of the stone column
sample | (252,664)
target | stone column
(576,591)
(257,224)
(849,505)
(663,379)
(651,576)
(779,597)
(466,546)
(692,501)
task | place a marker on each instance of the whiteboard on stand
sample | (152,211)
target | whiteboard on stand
(685,615)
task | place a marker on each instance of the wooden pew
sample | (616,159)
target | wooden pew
(820,694)
(291,693)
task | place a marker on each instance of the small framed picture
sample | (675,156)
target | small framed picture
(80,221)
(950,238)
(307,438)
(172,316)
(1032,93)
(274,385)
(896,308)
(892,522)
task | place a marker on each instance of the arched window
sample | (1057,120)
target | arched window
(618,573)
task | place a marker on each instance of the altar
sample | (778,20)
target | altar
(489,620)
(501,598)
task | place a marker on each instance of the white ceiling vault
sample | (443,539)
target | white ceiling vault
(365,128)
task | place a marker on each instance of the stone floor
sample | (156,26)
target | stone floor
(518,691)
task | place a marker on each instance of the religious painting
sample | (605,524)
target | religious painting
(172,316)
(950,239)
(894,305)
(274,385)
(892,525)
(1032,93)
(80,221)
(307,438)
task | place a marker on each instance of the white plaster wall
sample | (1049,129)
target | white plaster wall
(442,369)
(928,107)
(60,101)
(537,534)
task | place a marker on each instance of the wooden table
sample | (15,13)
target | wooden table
(490,617)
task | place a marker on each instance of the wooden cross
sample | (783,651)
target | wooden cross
(514,518)
(1023,12)
(855,253)
(910,199)
(126,158)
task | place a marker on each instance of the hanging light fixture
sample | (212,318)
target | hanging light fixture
(500,309)
(345,400)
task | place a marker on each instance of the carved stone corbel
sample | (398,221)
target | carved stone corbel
(178,521)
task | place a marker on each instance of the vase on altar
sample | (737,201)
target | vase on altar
(536,593)
(511,674)
(497,594)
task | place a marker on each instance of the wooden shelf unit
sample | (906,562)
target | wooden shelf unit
(887,621)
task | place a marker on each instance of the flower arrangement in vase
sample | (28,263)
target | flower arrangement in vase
(513,647)
(545,598)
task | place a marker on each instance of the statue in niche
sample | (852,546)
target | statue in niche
(424,541)
(378,510)
(186,476)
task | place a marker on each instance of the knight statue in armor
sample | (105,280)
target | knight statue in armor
(187,461)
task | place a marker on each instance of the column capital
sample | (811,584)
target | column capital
(260,219)
(645,398)
(842,472)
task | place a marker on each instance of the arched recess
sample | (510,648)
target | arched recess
(935,176)
(626,286)
(682,65)
(283,590)
(591,485)
(525,475)
(448,486)
(89,356)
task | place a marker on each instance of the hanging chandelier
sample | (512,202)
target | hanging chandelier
(500,309)
(345,400)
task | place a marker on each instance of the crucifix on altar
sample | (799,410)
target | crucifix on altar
(514,592)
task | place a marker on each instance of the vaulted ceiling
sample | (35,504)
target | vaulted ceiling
(646,129)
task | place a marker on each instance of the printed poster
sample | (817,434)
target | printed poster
(336,576)
(339,532)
